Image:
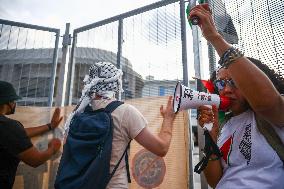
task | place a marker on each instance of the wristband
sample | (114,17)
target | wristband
(49,126)
(214,159)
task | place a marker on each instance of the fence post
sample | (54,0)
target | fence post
(71,71)
(53,71)
(62,77)
(119,49)
(197,67)
(186,82)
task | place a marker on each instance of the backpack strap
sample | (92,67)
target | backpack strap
(266,129)
(112,106)
(126,161)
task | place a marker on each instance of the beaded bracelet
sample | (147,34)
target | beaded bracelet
(229,57)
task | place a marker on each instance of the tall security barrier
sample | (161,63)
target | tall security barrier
(28,59)
(145,43)
(256,27)
(148,44)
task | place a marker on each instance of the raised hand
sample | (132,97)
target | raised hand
(206,22)
(168,112)
(56,118)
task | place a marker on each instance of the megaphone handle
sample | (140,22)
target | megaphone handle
(208,126)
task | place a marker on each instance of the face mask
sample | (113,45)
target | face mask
(13,109)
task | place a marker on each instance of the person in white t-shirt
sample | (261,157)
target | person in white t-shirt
(100,87)
(248,160)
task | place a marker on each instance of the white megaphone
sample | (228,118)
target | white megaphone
(187,98)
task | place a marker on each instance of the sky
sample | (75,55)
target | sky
(56,13)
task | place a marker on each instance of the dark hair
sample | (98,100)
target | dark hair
(275,78)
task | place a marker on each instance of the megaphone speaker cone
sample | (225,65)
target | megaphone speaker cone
(187,98)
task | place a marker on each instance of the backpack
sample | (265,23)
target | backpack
(267,131)
(85,161)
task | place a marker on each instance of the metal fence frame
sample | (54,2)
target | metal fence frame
(119,19)
(55,52)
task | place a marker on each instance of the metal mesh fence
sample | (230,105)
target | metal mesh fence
(94,45)
(152,44)
(151,50)
(256,27)
(27,61)
(151,54)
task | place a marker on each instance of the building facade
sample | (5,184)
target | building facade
(30,70)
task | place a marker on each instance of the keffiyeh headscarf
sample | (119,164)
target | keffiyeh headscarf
(104,79)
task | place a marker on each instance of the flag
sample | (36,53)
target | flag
(226,149)
(209,85)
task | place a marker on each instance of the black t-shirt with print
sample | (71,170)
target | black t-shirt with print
(13,140)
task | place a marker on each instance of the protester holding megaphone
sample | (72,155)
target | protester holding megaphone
(187,98)
(250,159)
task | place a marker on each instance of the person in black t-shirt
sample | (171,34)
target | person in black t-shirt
(15,143)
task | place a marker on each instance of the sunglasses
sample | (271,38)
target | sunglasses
(221,83)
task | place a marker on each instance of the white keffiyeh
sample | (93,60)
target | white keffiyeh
(104,79)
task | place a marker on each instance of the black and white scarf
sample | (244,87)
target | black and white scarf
(104,79)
